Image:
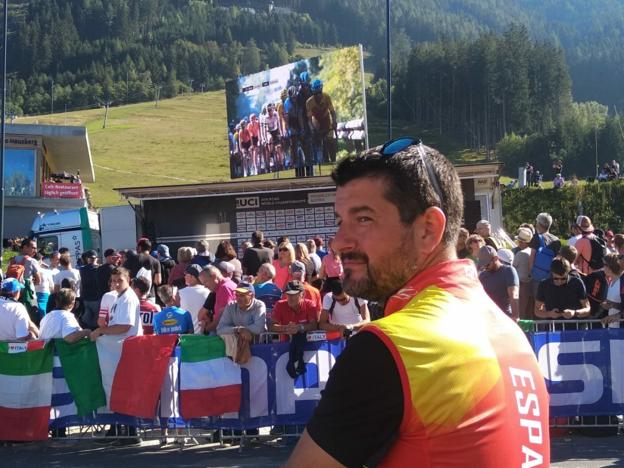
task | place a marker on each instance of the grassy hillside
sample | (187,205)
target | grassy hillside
(181,141)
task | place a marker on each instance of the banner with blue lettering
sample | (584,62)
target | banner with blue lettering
(269,395)
(584,370)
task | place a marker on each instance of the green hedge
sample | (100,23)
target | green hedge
(602,202)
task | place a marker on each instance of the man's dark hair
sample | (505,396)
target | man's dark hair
(408,183)
(257,237)
(336,288)
(26,242)
(65,299)
(63,250)
(560,266)
(144,245)
(142,284)
(67,283)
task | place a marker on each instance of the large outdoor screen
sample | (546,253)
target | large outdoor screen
(299,116)
(20,172)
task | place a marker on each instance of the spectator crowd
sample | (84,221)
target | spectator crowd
(275,286)
(543,277)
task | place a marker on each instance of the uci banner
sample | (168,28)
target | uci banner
(584,370)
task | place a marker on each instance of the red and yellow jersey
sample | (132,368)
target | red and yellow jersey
(473,392)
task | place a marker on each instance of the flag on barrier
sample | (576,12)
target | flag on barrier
(210,383)
(25,390)
(82,372)
(133,371)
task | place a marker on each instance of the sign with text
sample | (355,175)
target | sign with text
(55,190)
(584,371)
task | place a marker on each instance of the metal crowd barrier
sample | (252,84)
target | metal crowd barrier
(566,425)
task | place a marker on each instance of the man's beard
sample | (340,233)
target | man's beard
(378,284)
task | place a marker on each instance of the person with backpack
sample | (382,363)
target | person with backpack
(591,248)
(25,269)
(544,248)
(341,313)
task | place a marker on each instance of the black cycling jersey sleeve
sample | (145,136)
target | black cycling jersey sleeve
(361,407)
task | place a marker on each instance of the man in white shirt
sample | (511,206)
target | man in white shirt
(61,323)
(193,297)
(124,316)
(15,324)
(343,313)
(67,272)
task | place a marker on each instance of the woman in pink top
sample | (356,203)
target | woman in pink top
(331,267)
(285,256)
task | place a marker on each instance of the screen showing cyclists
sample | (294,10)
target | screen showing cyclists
(296,118)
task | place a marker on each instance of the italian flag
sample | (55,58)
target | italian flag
(133,370)
(210,383)
(25,390)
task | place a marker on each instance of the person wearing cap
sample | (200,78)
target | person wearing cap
(484,229)
(584,245)
(15,323)
(295,314)
(223,288)
(245,317)
(112,259)
(500,281)
(194,295)
(561,296)
(521,264)
(89,292)
(298,272)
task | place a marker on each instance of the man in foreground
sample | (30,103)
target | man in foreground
(444,379)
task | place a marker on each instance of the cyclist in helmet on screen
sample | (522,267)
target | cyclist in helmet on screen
(303,94)
(322,117)
(293,125)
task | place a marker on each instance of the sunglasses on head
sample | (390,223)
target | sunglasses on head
(392,147)
(283,249)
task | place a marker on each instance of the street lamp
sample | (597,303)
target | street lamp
(2,125)
(388,70)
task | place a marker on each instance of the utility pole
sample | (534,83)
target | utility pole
(157,96)
(127,86)
(191,87)
(3,124)
(202,88)
(596,146)
(52,97)
(388,70)
(107,104)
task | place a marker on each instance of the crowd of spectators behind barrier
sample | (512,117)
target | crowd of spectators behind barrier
(542,277)
(221,293)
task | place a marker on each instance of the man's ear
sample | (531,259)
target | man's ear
(429,229)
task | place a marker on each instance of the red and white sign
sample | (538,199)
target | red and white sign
(54,190)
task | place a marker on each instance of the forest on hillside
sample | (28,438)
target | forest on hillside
(81,53)
(510,77)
